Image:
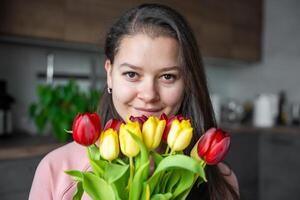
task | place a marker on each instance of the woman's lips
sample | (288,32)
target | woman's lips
(148,111)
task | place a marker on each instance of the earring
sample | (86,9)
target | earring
(109,90)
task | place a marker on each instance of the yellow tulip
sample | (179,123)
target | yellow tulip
(128,146)
(109,144)
(152,131)
(180,135)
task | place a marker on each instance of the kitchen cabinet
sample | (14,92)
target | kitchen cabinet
(243,158)
(19,156)
(224,29)
(266,162)
(279,168)
(16,177)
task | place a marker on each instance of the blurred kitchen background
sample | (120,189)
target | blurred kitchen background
(251,51)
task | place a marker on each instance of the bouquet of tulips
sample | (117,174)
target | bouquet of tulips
(139,171)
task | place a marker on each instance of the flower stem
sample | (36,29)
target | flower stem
(118,160)
(131,172)
(167,150)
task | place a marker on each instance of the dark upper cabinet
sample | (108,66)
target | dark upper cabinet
(224,29)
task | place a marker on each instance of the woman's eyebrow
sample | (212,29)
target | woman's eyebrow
(177,68)
(130,65)
(171,68)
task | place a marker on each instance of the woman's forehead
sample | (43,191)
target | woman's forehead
(140,50)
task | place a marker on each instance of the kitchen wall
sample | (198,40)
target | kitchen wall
(279,68)
(19,65)
(280,65)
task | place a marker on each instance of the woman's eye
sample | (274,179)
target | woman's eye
(169,77)
(131,75)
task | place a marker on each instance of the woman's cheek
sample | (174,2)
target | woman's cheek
(125,93)
(172,97)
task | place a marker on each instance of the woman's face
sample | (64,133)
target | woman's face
(146,76)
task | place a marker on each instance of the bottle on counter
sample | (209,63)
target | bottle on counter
(295,114)
(282,117)
(5,113)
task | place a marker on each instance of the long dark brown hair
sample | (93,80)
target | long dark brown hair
(159,20)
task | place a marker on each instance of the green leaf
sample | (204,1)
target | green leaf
(97,168)
(32,109)
(154,183)
(58,130)
(144,157)
(184,194)
(100,163)
(172,182)
(76,175)
(186,182)
(164,181)
(58,105)
(116,192)
(93,152)
(174,162)
(121,186)
(114,171)
(182,162)
(41,120)
(97,188)
(79,192)
(165,196)
(144,193)
(137,183)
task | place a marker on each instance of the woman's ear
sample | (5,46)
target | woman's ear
(108,68)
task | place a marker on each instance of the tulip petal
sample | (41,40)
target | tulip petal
(205,141)
(173,133)
(128,146)
(183,139)
(112,123)
(86,128)
(148,131)
(217,153)
(95,119)
(158,133)
(109,144)
(218,136)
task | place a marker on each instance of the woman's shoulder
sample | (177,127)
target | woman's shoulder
(229,176)
(68,155)
(50,176)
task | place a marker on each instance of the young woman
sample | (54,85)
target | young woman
(153,66)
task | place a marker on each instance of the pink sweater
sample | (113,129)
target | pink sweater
(50,181)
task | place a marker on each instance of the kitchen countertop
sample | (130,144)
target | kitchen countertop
(270,130)
(21,145)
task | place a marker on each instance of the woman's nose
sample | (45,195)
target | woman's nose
(148,91)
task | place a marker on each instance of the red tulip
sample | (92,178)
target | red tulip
(86,128)
(114,124)
(213,146)
(140,119)
(168,124)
